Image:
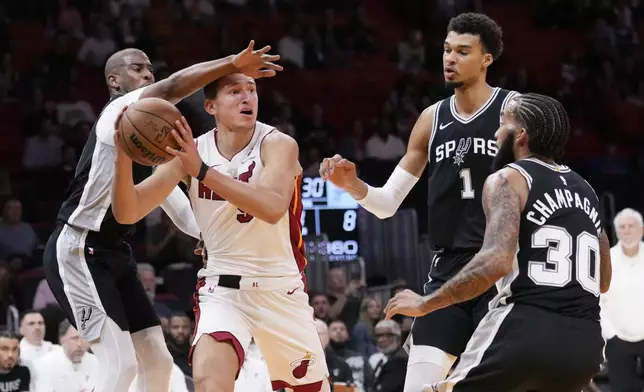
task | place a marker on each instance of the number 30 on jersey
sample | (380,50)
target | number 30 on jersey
(556,270)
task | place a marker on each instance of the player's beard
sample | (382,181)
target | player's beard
(505,154)
(449,84)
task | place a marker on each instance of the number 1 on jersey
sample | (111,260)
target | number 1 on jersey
(466,176)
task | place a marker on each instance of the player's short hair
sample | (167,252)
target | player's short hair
(63,327)
(29,311)
(488,31)
(546,121)
(212,88)
(7,334)
(628,213)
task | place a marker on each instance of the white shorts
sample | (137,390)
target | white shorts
(276,313)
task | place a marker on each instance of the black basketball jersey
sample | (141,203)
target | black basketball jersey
(557,265)
(461,152)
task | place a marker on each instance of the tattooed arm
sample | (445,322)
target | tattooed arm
(504,195)
(605,266)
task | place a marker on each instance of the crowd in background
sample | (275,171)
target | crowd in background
(51,90)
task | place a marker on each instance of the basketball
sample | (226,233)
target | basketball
(145,131)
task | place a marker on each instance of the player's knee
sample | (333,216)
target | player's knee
(215,365)
(151,350)
(427,365)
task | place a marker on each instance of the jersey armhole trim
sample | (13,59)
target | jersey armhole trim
(434,128)
(524,174)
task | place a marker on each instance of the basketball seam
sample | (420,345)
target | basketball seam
(124,142)
(152,114)
(143,135)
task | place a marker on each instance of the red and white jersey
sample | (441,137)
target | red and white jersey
(238,243)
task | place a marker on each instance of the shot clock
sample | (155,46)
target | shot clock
(331,211)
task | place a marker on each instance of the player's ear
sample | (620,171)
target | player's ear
(488,59)
(112,81)
(522,137)
(209,106)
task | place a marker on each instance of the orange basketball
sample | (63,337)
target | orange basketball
(145,131)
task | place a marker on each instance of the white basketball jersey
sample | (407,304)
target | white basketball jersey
(238,243)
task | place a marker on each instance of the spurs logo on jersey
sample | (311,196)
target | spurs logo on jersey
(449,149)
(461,151)
(238,243)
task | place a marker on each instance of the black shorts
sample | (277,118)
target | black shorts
(521,348)
(92,280)
(450,328)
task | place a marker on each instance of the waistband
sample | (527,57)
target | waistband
(251,282)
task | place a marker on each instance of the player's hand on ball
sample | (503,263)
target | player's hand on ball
(340,171)
(257,63)
(406,303)
(188,154)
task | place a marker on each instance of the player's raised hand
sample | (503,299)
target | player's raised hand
(257,63)
(340,171)
(188,154)
(406,303)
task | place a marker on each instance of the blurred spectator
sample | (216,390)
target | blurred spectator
(384,145)
(97,47)
(253,375)
(320,304)
(74,109)
(43,296)
(9,317)
(390,363)
(33,345)
(72,369)
(8,78)
(622,318)
(16,237)
(70,20)
(362,336)
(291,47)
(344,298)
(148,278)
(44,150)
(411,53)
(339,342)
(13,377)
(199,11)
(180,332)
(351,145)
(339,370)
(314,53)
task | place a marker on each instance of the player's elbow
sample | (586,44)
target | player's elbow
(123,216)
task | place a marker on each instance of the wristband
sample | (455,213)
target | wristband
(202,172)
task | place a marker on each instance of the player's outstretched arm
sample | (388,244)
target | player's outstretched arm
(384,201)
(267,200)
(504,196)
(605,265)
(254,63)
(131,203)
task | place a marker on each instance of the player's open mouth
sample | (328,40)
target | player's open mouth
(449,72)
(247,112)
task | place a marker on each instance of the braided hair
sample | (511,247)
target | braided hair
(546,121)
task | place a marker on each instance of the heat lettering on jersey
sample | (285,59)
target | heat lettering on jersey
(477,145)
(208,194)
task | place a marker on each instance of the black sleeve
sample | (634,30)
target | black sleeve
(25,378)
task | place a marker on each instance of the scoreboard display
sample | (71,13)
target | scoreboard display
(331,211)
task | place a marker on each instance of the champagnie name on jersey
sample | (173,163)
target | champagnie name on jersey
(544,207)
(458,150)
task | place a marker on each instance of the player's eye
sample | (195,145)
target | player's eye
(462,53)
(234,92)
(446,50)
